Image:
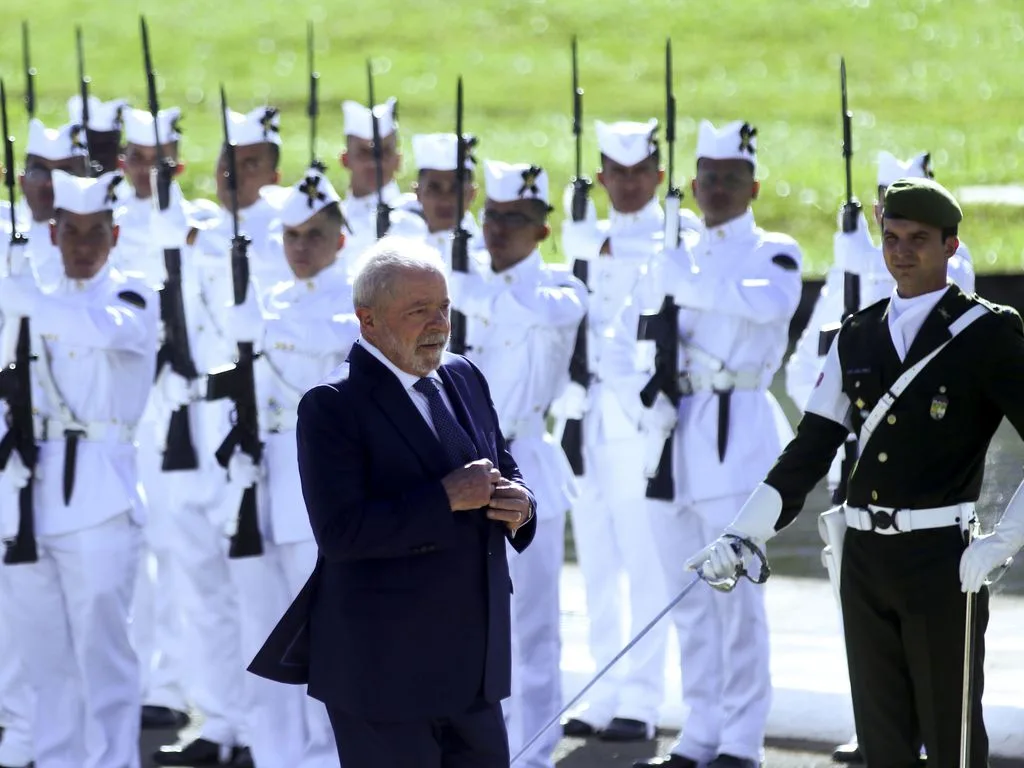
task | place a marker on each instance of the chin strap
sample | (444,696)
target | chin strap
(738,544)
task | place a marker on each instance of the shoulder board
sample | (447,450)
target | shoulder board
(133,298)
(872,310)
(1006,313)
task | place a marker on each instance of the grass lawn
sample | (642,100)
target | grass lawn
(942,75)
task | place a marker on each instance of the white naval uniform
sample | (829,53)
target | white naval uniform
(611,530)
(361,214)
(526,319)
(307,333)
(70,610)
(736,313)
(43,255)
(17,701)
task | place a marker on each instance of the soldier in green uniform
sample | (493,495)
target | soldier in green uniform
(924,377)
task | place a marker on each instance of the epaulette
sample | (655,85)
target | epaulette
(869,311)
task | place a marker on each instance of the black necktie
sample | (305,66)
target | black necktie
(456,443)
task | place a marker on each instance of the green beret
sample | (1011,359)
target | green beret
(923,200)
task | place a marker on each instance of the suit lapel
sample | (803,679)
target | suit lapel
(395,403)
(935,329)
(458,390)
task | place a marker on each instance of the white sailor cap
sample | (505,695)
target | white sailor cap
(440,151)
(259,126)
(138,126)
(104,116)
(359,123)
(55,143)
(507,182)
(76,194)
(891,168)
(627,143)
(735,141)
(307,197)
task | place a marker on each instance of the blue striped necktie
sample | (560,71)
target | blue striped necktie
(458,446)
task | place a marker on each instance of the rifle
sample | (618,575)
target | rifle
(662,327)
(313,107)
(16,387)
(30,73)
(460,237)
(674,196)
(383,211)
(579,365)
(83,91)
(179,451)
(237,381)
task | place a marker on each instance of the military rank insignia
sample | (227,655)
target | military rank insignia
(938,407)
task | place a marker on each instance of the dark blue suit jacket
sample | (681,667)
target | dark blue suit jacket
(406,615)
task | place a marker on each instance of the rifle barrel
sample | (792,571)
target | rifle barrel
(670,115)
(313,108)
(847,130)
(30,73)
(577,109)
(229,161)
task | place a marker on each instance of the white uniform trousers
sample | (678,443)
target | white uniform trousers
(612,533)
(17,701)
(70,613)
(723,639)
(216,683)
(288,728)
(157,610)
(536,642)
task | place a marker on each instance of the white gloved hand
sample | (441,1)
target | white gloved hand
(173,389)
(242,470)
(987,553)
(167,229)
(590,216)
(571,404)
(853,251)
(244,322)
(684,281)
(756,522)
(656,424)
(17,474)
(17,260)
(19,296)
(582,240)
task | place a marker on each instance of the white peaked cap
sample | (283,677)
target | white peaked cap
(359,123)
(138,126)
(260,126)
(84,195)
(891,168)
(55,144)
(103,115)
(627,143)
(507,182)
(306,198)
(735,141)
(440,151)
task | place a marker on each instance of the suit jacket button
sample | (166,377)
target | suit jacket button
(891,419)
(883,457)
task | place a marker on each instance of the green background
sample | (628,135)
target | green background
(938,75)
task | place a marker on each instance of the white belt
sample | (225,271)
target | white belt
(532,426)
(281,420)
(91,431)
(889,521)
(718,381)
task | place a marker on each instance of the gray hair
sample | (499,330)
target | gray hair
(385,261)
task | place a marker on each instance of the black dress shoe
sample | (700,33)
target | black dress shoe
(578,728)
(163,718)
(669,761)
(624,729)
(201,752)
(731,761)
(848,754)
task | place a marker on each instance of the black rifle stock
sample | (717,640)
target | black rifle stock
(237,382)
(179,450)
(16,390)
(579,364)
(383,210)
(460,237)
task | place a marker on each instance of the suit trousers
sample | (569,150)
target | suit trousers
(723,639)
(904,619)
(287,727)
(473,739)
(70,614)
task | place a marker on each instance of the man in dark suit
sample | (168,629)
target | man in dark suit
(403,628)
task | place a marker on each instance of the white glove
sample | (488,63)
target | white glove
(245,321)
(582,240)
(242,470)
(756,521)
(684,281)
(17,474)
(656,423)
(590,216)
(988,553)
(17,260)
(853,251)
(167,229)
(173,389)
(18,296)
(571,404)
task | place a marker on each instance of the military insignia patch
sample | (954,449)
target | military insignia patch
(939,405)
(530,181)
